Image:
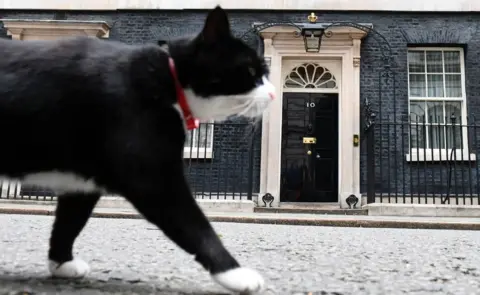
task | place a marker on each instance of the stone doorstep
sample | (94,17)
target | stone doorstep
(206,205)
(311,210)
(120,203)
(423,210)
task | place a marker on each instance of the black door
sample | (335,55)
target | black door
(309,170)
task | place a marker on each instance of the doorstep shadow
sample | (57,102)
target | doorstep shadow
(34,284)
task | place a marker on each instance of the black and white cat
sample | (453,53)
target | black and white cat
(85,116)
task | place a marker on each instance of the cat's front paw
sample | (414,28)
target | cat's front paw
(75,268)
(241,279)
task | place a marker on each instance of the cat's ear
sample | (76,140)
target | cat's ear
(216,26)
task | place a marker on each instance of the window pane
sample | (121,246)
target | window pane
(209,135)
(204,135)
(436,137)
(417,111)
(201,135)
(434,62)
(417,85)
(416,61)
(435,85)
(454,132)
(417,136)
(435,112)
(452,61)
(188,140)
(453,108)
(453,85)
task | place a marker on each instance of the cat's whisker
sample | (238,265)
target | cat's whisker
(248,107)
(252,107)
(241,109)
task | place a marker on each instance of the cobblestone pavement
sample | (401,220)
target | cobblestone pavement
(130,256)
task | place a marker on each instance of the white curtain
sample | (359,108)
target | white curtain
(432,125)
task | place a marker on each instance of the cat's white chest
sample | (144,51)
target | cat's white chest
(60,182)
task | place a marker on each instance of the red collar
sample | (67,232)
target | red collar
(190,121)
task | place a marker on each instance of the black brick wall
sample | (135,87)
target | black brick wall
(389,100)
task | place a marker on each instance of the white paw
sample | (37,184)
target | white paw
(242,279)
(75,268)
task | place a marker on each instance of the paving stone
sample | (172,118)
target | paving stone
(129,256)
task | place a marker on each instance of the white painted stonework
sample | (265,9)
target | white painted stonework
(424,210)
(374,5)
(341,55)
(31,29)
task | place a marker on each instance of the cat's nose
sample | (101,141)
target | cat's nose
(272,95)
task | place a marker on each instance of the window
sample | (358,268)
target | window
(310,75)
(199,142)
(436,79)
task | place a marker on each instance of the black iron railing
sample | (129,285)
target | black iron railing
(225,164)
(222,161)
(426,163)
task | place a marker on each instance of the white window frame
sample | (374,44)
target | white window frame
(195,152)
(441,154)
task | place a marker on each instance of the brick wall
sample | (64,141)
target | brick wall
(390,100)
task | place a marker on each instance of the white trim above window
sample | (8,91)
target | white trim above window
(201,147)
(437,104)
(34,29)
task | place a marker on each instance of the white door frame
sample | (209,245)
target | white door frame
(335,68)
(344,45)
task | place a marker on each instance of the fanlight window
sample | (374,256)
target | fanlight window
(310,75)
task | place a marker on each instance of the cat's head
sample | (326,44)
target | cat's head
(222,76)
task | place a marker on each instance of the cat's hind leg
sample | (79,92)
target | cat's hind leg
(168,203)
(72,213)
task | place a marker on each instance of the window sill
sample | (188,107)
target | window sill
(440,156)
(200,153)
